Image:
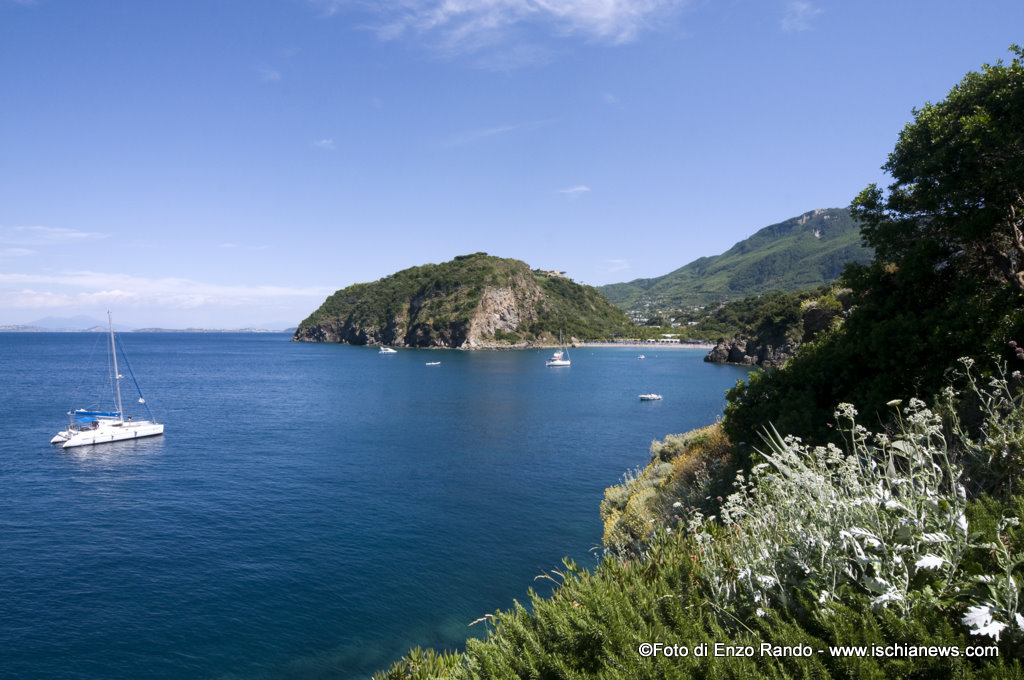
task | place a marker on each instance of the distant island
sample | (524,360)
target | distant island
(88,324)
(474,301)
(211,330)
(104,329)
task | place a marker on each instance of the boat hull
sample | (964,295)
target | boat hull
(109,433)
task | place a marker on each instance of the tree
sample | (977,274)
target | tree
(958,196)
(948,275)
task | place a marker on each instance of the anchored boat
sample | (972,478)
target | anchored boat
(100,427)
(561,357)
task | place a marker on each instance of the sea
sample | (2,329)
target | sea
(312,510)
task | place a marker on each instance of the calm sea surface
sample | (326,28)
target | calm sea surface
(312,510)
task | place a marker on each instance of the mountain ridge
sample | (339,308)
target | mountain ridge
(800,253)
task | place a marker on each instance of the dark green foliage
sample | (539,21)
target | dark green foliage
(957,202)
(947,280)
(773,318)
(592,626)
(576,311)
(434,304)
(775,313)
(798,254)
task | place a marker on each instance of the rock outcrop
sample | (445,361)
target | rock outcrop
(751,352)
(774,343)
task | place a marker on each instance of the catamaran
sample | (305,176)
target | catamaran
(99,427)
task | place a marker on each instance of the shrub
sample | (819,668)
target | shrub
(681,472)
(886,519)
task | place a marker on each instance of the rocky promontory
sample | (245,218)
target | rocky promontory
(751,352)
(472,302)
(783,329)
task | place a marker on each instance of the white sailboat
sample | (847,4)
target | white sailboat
(561,357)
(99,427)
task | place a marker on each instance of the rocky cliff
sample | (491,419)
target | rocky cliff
(474,301)
(751,352)
(777,339)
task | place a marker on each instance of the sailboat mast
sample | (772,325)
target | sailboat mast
(117,374)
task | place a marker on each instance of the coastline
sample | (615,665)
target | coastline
(652,345)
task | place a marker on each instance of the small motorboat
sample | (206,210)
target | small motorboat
(387,350)
(650,397)
(433,363)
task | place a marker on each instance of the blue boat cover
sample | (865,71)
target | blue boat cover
(102,414)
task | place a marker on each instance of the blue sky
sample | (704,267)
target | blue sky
(227,163)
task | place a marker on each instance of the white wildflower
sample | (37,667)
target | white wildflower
(977,616)
(930,562)
(992,630)
(845,410)
(891,595)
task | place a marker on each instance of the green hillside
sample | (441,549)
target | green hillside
(472,301)
(801,253)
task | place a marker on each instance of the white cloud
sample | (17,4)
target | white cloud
(476,135)
(45,236)
(467,26)
(34,299)
(615,265)
(229,245)
(270,75)
(86,288)
(610,99)
(798,15)
(16,252)
(326,143)
(575,192)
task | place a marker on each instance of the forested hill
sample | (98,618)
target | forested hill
(801,253)
(472,301)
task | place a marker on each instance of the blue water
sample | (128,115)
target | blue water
(312,510)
